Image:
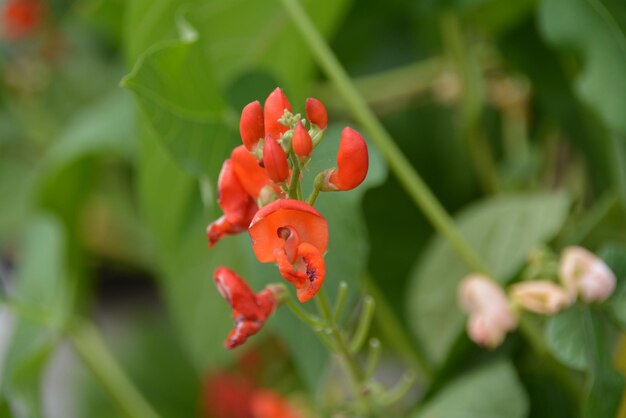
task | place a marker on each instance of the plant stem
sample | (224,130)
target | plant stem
(93,351)
(406,174)
(295,177)
(354,372)
(472,102)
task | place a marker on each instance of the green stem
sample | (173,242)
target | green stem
(365,320)
(93,351)
(342,293)
(295,177)
(302,314)
(354,372)
(406,174)
(472,103)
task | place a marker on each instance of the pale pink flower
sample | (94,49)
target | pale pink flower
(490,315)
(540,296)
(584,274)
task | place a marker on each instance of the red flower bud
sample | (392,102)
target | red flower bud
(302,143)
(268,404)
(249,310)
(275,160)
(251,125)
(316,113)
(275,106)
(352,162)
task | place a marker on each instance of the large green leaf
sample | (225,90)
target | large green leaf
(492,391)
(175,87)
(592,27)
(566,338)
(615,257)
(502,230)
(42,304)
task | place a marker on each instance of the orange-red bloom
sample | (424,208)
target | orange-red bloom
(294,235)
(251,175)
(20,18)
(275,160)
(316,113)
(250,310)
(251,125)
(269,404)
(274,108)
(238,206)
(302,143)
(226,395)
(352,163)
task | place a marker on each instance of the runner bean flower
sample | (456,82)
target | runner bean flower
(260,191)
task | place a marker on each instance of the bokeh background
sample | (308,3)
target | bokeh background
(115,117)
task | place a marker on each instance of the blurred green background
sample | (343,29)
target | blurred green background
(115,117)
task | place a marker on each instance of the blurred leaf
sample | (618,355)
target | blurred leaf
(589,27)
(606,383)
(566,338)
(42,304)
(492,391)
(615,257)
(16,180)
(174,85)
(502,230)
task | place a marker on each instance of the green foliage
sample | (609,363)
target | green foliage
(589,27)
(503,230)
(491,391)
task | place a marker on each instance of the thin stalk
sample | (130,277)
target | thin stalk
(295,177)
(400,166)
(354,372)
(302,314)
(472,102)
(373,355)
(365,320)
(90,347)
(342,293)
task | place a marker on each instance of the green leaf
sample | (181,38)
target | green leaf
(615,257)
(502,230)
(566,338)
(605,382)
(492,391)
(594,31)
(42,304)
(176,90)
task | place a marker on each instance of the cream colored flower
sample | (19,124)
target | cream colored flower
(584,274)
(540,296)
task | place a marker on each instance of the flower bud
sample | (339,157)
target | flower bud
(302,143)
(251,125)
(316,113)
(582,273)
(275,160)
(274,108)
(352,163)
(541,297)
(490,316)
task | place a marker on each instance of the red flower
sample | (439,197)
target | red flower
(249,310)
(226,395)
(316,113)
(352,163)
(269,404)
(251,175)
(20,18)
(238,206)
(294,235)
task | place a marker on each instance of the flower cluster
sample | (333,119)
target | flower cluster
(492,314)
(259,191)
